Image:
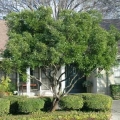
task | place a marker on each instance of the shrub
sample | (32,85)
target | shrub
(14,103)
(85,96)
(115,91)
(4,106)
(71,102)
(97,102)
(48,103)
(29,105)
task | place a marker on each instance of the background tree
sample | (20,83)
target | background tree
(109,8)
(37,39)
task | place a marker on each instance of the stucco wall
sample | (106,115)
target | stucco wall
(101,83)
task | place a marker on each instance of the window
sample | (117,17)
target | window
(45,81)
(35,83)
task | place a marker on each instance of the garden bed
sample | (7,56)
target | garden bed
(60,115)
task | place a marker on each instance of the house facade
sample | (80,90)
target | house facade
(102,84)
(34,87)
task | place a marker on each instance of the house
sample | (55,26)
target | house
(102,84)
(33,87)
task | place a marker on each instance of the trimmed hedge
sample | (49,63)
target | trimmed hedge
(84,101)
(14,103)
(4,106)
(48,103)
(115,91)
(71,102)
(29,105)
(99,102)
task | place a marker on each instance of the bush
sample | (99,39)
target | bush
(48,103)
(4,106)
(29,105)
(71,102)
(97,101)
(14,103)
(115,91)
(85,96)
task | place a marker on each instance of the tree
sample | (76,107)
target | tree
(75,38)
(109,8)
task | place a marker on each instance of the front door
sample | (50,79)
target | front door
(78,87)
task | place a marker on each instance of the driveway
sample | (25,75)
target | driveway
(115,110)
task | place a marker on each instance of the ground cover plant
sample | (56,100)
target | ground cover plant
(60,115)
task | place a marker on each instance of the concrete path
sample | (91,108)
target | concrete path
(115,110)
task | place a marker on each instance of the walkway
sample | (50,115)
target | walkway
(115,110)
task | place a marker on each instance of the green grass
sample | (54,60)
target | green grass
(60,115)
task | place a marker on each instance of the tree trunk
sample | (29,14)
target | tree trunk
(54,104)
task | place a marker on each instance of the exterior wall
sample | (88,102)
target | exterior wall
(102,83)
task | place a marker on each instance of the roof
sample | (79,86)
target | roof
(106,23)
(3,34)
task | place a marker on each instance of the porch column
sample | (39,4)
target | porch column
(18,83)
(28,81)
(63,77)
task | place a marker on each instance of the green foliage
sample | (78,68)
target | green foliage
(4,106)
(14,103)
(37,39)
(30,105)
(4,85)
(87,83)
(71,102)
(47,104)
(96,102)
(61,115)
(115,91)
(85,96)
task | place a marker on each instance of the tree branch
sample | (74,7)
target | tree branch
(72,85)
(33,77)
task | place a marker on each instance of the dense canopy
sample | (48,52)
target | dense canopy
(37,39)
